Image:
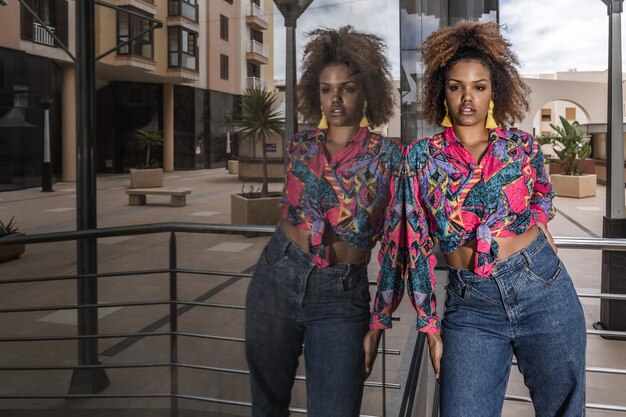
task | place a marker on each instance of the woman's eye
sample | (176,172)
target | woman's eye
(349,89)
(480,87)
(453,87)
(325,90)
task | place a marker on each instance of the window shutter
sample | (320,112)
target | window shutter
(61,21)
(26,21)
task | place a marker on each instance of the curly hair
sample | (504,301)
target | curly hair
(361,52)
(480,42)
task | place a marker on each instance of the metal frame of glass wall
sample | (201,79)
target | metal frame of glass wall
(418,19)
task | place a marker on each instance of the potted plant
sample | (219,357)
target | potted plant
(8,252)
(148,173)
(572,146)
(258,121)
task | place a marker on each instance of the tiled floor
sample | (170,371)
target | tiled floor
(37,212)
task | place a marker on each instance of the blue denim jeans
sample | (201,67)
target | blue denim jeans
(291,302)
(528,308)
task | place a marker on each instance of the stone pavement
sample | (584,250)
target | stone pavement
(37,212)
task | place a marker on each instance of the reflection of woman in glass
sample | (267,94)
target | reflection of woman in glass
(310,285)
(487,201)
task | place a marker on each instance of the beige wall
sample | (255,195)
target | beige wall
(232,48)
(10,24)
(590,97)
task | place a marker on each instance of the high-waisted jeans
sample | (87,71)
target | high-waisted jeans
(291,302)
(527,307)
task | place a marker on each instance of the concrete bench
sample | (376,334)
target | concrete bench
(137,196)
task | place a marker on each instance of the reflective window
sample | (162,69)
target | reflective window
(182,48)
(129,26)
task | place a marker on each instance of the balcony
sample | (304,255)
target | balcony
(257,53)
(40,35)
(256,17)
(255,82)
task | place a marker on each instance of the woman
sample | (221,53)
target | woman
(310,285)
(486,199)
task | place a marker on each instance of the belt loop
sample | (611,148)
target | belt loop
(527,257)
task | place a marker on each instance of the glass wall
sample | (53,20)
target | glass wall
(418,19)
(23,80)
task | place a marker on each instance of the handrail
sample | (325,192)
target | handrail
(175,305)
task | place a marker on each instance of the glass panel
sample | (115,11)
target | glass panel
(173,7)
(185,42)
(189,11)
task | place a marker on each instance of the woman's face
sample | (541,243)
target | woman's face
(341,95)
(468,92)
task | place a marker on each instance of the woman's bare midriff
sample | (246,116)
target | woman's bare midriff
(341,252)
(463,257)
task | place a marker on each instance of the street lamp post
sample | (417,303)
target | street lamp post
(46,170)
(612,312)
(291,11)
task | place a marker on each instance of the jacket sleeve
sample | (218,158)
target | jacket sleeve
(421,261)
(405,256)
(541,198)
(391,256)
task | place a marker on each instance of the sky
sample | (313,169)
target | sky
(547,35)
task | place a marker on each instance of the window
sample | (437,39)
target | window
(546,115)
(182,46)
(256,35)
(223,27)
(45,10)
(184,8)
(229,1)
(129,26)
(570,113)
(224,67)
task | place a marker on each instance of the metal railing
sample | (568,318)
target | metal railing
(255,47)
(40,35)
(611,244)
(177,337)
(256,11)
(255,82)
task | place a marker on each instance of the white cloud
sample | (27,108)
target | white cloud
(557,35)
(547,35)
(380,17)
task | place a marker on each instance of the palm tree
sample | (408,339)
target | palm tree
(148,139)
(259,120)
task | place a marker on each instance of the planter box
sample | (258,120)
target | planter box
(9,252)
(233,167)
(258,211)
(577,186)
(146,178)
(587,166)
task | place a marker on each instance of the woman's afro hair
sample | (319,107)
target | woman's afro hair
(480,42)
(361,52)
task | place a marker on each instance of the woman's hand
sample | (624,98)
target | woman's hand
(548,235)
(435,346)
(370,345)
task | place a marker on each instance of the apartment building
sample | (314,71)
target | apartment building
(183,78)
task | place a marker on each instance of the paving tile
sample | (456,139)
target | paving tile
(204,213)
(230,247)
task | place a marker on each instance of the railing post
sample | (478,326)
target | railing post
(173,327)
(86,381)
(384,375)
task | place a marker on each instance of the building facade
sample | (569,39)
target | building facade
(418,19)
(183,78)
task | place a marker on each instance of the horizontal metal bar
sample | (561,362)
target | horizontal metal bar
(591,406)
(613,333)
(594,243)
(595,369)
(602,296)
(82,337)
(13,368)
(139,229)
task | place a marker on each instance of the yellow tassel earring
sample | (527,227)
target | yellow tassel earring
(446,122)
(491,122)
(323,124)
(364,122)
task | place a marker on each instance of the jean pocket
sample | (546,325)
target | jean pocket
(545,273)
(274,255)
(456,290)
(354,282)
